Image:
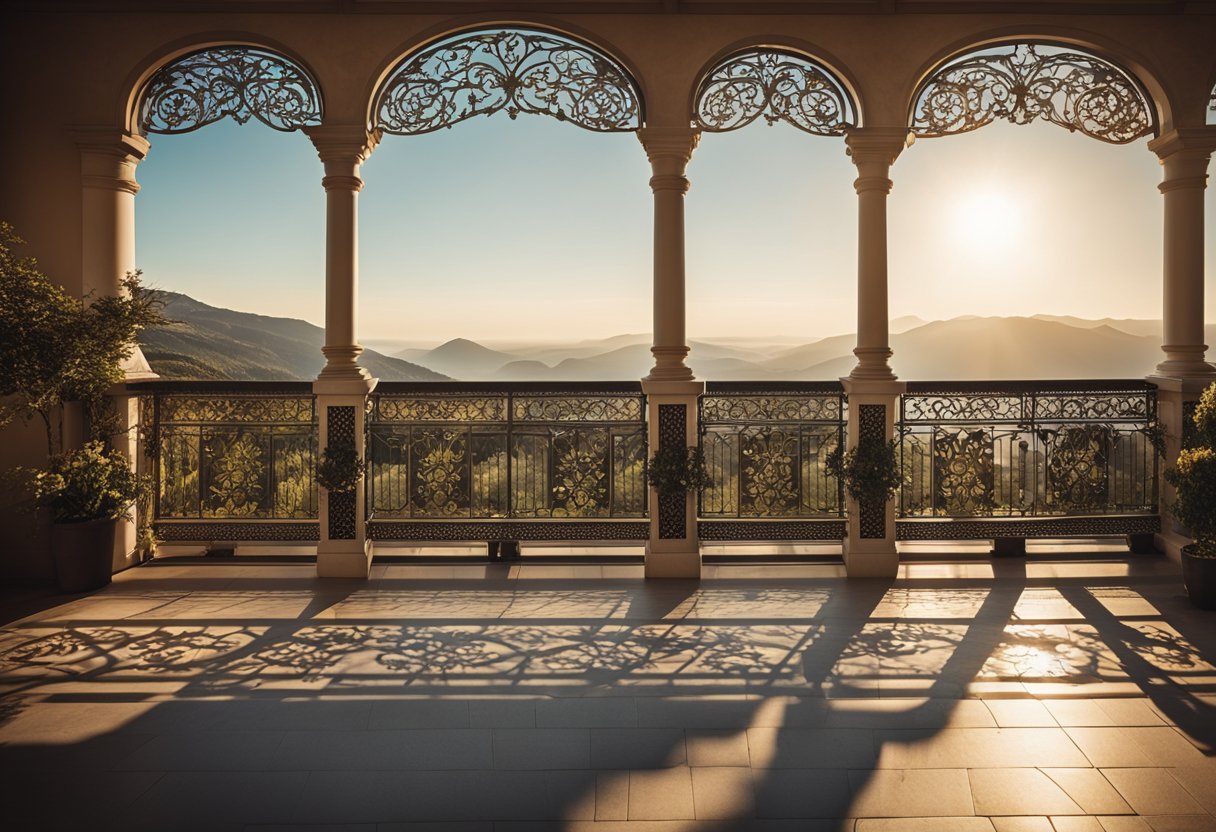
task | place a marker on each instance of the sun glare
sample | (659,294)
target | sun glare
(987,219)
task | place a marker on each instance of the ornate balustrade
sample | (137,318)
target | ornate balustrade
(461,461)
(231,461)
(475,461)
(1028,459)
(766,446)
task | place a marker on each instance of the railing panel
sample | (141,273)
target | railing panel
(570,452)
(766,448)
(1028,449)
(231,455)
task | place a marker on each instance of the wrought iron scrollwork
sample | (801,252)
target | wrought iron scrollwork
(240,82)
(514,70)
(780,86)
(1024,82)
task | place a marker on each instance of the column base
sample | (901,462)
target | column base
(673,564)
(870,558)
(344,563)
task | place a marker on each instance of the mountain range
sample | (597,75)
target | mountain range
(209,342)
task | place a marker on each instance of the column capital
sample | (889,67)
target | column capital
(669,142)
(112,142)
(875,144)
(1197,142)
(338,143)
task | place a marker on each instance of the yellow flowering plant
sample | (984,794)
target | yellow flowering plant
(88,483)
(1194,479)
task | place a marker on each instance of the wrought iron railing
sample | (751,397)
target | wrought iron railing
(224,455)
(1028,449)
(766,446)
(479,452)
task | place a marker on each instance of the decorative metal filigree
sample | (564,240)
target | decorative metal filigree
(447,409)
(963,472)
(1078,478)
(578,409)
(240,82)
(672,522)
(769,473)
(438,459)
(962,408)
(580,474)
(264,409)
(871,427)
(771,408)
(515,70)
(1024,82)
(780,86)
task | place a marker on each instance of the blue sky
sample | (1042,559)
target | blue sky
(535,229)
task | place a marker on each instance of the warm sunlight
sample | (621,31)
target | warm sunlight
(988,217)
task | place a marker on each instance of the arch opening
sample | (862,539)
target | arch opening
(232,81)
(778,85)
(513,70)
(1027,81)
(1212,107)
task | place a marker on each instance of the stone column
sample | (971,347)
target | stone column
(108,158)
(673,550)
(872,387)
(1184,373)
(342,387)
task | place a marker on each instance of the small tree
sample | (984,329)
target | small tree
(55,348)
(1194,479)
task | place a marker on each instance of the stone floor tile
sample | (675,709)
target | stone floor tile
(811,748)
(722,793)
(910,793)
(539,795)
(1105,747)
(1123,823)
(612,795)
(1130,712)
(502,713)
(979,748)
(1018,791)
(1090,789)
(419,713)
(1080,713)
(940,824)
(1020,713)
(1152,791)
(1182,823)
(952,713)
(625,748)
(599,712)
(661,794)
(244,796)
(1025,823)
(1076,824)
(1200,781)
(1165,746)
(440,826)
(440,749)
(801,793)
(718,714)
(29,796)
(541,748)
(717,748)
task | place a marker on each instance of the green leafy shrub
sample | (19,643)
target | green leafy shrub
(341,468)
(870,470)
(675,469)
(87,483)
(1194,479)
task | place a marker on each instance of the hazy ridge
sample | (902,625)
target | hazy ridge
(215,343)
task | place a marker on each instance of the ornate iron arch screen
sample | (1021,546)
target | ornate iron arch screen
(779,85)
(516,70)
(1027,81)
(240,82)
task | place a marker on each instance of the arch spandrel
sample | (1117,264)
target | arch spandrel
(237,81)
(509,69)
(776,85)
(1025,81)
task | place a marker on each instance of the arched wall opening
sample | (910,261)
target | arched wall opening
(1038,247)
(772,219)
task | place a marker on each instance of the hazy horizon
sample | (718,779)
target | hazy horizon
(500,227)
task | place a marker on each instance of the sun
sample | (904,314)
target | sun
(987,219)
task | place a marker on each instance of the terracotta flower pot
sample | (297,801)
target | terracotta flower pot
(83,554)
(1199,575)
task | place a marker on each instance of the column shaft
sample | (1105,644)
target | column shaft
(669,150)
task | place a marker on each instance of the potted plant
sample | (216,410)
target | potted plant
(87,490)
(870,470)
(58,352)
(341,469)
(1194,480)
(674,470)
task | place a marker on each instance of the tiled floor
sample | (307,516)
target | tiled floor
(1020,695)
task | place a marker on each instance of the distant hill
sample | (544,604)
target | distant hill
(967,347)
(211,343)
